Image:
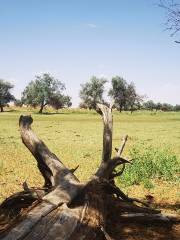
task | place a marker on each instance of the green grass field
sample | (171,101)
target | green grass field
(76,138)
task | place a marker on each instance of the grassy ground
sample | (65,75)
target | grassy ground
(76,137)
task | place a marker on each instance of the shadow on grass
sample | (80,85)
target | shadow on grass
(53,113)
(9,110)
(66,113)
(168,206)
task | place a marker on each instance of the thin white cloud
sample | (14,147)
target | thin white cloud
(91,25)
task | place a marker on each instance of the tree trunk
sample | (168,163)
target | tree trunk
(2,109)
(64,208)
(120,107)
(41,108)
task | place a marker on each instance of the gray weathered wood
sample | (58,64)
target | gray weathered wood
(147,217)
(121,148)
(107,132)
(50,166)
(49,203)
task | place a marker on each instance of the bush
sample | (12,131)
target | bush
(150,163)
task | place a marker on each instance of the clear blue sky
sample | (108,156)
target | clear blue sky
(74,39)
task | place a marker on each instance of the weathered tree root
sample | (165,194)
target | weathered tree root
(64,208)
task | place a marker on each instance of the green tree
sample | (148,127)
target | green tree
(42,90)
(124,94)
(60,101)
(133,100)
(149,105)
(166,107)
(91,92)
(119,92)
(177,108)
(158,106)
(5,94)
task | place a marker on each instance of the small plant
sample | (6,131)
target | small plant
(150,163)
(148,184)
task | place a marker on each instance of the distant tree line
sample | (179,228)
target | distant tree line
(166,107)
(46,90)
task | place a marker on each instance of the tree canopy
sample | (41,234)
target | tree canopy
(149,105)
(45,90)
(124,94)
(5,94)
(118,92)
(91,92)
(58,101)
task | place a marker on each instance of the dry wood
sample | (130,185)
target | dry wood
(119,153)
(106,168)
(147,217)
(121,148)
(130,207)
(106,234)
(107,132)
(51,168)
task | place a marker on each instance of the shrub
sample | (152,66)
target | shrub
(150,163)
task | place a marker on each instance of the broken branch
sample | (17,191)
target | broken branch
(121,148)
